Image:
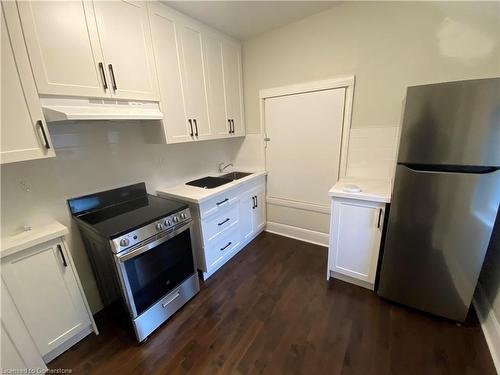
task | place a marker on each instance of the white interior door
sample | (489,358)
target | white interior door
(126,42)
(303,154)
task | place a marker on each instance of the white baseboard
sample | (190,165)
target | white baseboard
(297,233)
(489,325)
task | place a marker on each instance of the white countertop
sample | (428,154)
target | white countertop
(371,190)
(30,238)
(197,195)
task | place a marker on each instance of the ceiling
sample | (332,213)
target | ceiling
(246,19)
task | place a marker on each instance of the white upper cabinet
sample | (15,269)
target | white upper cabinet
(199,75)
(126,43)
(193,75)
(231,57)
(215,87)
(63,46)
(24,134)
(90,49)
(168,68)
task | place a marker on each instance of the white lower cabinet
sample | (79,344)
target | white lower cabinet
(18,351)
(253,212)
(45,288)
(355,234)
(226,222)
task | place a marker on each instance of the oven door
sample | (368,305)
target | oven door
(150,271)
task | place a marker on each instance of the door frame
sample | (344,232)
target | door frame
(346,82)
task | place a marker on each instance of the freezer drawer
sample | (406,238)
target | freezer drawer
(438,232)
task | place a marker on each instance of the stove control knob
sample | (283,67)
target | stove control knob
(175,219)
(183,215)
(167,223)
(159,226)
(124,242)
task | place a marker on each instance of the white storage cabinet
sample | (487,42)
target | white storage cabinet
(24,133)
(90,48)
(46,291)
(355,233)
(199,75)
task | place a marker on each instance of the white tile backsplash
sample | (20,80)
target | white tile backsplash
(372,152)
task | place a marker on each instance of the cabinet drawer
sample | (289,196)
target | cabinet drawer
(223,221)
(219,202)
(223,246)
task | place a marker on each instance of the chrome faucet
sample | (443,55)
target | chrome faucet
(223,167)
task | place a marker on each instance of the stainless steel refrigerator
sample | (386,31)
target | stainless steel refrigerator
(445,197)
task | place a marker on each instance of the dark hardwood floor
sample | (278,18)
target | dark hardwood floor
(271,311)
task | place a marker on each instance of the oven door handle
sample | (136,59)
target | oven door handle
(148,246)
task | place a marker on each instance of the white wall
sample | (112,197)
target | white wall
(387,46)
(94,157)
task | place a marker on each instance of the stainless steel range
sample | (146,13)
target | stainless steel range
(140,249)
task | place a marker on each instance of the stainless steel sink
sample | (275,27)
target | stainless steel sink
(235,175)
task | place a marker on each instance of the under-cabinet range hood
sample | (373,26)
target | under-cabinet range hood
(64,109)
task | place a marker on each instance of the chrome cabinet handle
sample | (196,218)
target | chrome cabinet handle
(256,202)
(379,215)
(222,202)
(232,122)
(113,79)
(223,222)
(191,126)
(253,202)
(196,127)
(62,255)
(165,304)
(103,76)
(39,123)
(229,122)
(225,247)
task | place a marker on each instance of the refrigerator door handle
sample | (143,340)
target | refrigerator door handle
(379,216)
(446,168)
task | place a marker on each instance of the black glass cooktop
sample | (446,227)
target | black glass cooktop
(113,213)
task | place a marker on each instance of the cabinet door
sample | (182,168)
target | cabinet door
(18,351)
(355,239)
(259,212)
(246,215)
(194,79)
(63,47)
(231,55)
(215,87)
(126,43)
(168,55)
(43,285)
(23,126)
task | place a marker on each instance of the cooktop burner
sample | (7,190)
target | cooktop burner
(113,213)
